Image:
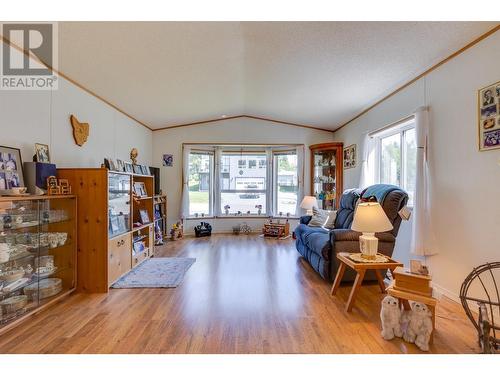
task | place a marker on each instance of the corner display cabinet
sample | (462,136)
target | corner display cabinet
(327,174)
(37,254)
(115,227)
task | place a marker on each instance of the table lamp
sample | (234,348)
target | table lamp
(308,203)
(370,218)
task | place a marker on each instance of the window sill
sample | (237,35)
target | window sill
(243,217)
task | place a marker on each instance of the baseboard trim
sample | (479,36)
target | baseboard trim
(440,291)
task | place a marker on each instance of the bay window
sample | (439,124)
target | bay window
(200,183)
(244,189)
(250,180)
(286,183)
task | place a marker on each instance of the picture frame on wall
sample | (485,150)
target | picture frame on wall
(42,153)
(350,157)
(488,112)
(11,169)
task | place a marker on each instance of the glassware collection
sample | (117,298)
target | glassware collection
(37,254)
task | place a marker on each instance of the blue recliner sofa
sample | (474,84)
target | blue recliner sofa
(319,246)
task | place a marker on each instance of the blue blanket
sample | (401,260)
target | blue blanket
(379,191)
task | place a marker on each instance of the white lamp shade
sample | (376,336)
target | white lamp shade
(308,202)
(370,218)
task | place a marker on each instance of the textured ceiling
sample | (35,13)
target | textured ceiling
(315,73)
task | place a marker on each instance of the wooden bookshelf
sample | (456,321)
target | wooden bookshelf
(106,230)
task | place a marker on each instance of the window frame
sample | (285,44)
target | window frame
(400,128)
(245,154)
(211,186)
(275,186)
(216,209)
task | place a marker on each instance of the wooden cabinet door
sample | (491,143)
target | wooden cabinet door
(119,256)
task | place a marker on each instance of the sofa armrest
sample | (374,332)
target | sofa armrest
(351,235)
(305,219)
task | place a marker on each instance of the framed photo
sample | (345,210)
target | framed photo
(114,225)
(140,189)
(139,247)
(144,216)
(145,170)
(122,227)
(119,165)
(137,169)
(128,167)
(168,160)
(42,153)
(11,169)
(488,113)
(350,157)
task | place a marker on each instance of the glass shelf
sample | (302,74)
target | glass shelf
(324,175)
(36,235)
(119,186)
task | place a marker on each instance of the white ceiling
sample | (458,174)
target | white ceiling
(315,73)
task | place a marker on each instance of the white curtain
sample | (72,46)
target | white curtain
(216,182)
(367,177)
(186,150)
(422,240)
(300,178)
(269,179)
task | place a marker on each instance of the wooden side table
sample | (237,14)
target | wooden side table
(404,297)
(360,269)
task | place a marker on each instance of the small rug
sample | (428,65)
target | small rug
(155,273)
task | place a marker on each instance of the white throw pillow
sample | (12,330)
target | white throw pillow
(323,218)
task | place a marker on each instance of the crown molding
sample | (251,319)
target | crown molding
(244,116)
(77,84)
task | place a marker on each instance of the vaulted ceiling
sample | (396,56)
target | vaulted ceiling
(314,73)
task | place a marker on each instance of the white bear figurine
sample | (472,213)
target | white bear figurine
(419,326)
(390,315)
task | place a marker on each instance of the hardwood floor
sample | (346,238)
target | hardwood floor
(244,294)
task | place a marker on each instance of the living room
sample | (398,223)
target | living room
(249,186)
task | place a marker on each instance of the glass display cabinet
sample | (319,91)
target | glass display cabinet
(37,253)
(326,174)
(118,203)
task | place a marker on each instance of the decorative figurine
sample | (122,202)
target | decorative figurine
(133,155)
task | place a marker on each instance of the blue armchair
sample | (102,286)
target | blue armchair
(319,246)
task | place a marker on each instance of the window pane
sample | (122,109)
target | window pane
(390,161)
(199,183)
(287,184)
(410,163)
(242,188)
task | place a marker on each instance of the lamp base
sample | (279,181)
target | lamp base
(368,245)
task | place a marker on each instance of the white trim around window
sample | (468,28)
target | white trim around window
(275,187)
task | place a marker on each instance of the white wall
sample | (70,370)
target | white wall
(29,117)
(240,130)
(466,213)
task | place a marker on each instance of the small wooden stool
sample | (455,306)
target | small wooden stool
(404,297)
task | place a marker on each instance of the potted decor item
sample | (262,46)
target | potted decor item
(226,209)
(259,208)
